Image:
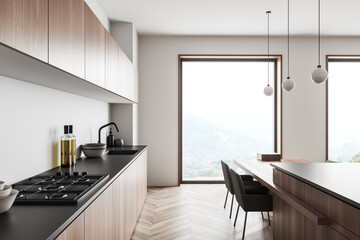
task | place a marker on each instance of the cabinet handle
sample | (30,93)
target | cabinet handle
(309,212)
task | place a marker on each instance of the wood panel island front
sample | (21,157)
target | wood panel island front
(311,200)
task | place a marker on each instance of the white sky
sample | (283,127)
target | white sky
(230,95)
(344,99)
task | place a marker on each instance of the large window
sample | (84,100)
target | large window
(343,114)
(225,114)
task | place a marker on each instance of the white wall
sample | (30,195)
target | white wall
(122,32)
(122,115)
(126,36)
(136,124)
(32,120)
(303,109)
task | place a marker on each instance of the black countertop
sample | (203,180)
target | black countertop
(340,180)
(48,221)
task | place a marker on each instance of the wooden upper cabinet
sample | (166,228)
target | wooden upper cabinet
(136,85)
(112,70)
(130,80)
(24,26)
(94,49)
(67,35)
(128,83)
(123,82)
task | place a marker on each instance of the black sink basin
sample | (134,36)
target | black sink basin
(122,152)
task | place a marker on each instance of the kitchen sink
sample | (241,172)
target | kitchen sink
(122,152)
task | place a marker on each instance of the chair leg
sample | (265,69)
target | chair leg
(262,215)
(237,212)
(227,193)
(232,201)
(244,226)
(269,218)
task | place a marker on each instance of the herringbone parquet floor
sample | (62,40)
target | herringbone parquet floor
(195,212)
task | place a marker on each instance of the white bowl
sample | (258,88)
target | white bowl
(92,150)
(94,146)
(2,185)
(7,202)
(6,191)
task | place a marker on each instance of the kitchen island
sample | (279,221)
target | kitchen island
(311,200)
(49,221)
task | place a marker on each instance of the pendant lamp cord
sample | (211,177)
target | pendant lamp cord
(268,38)
(319,34)
(288,40)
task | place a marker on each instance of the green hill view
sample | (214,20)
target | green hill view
(204,145)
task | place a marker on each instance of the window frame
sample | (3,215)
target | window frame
(278,106)
(334,58)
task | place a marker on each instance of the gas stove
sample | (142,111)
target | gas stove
(61,188)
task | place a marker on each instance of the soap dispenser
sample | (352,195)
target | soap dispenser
(110,139)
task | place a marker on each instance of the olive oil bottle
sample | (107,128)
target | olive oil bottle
(73,146)
(65,148)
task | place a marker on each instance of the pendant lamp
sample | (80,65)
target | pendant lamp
(319,75)
(268,90)
(288,85)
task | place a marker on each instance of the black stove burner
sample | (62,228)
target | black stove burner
(62,188)
(31,188)
(31,181)
(59,196)
(67,180)
(49,180)
(37,196)
(76,188)
(23,195)
(53,188)
(83,180)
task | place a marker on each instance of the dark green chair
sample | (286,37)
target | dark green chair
(247,179)
(258,200)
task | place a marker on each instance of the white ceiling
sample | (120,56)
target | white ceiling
(235,17)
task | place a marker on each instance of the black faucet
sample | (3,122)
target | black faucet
(112,123)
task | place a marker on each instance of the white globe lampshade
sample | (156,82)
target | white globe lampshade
(319,75)
(268,90)
(288,84)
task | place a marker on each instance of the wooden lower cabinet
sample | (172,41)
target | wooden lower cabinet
(75,231)
(289,223)
(114,213)
(143,177)
(129,196)
(98,217)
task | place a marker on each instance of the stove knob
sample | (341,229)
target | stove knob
(67,174)
(76,174)
(84,173)
(58,173)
